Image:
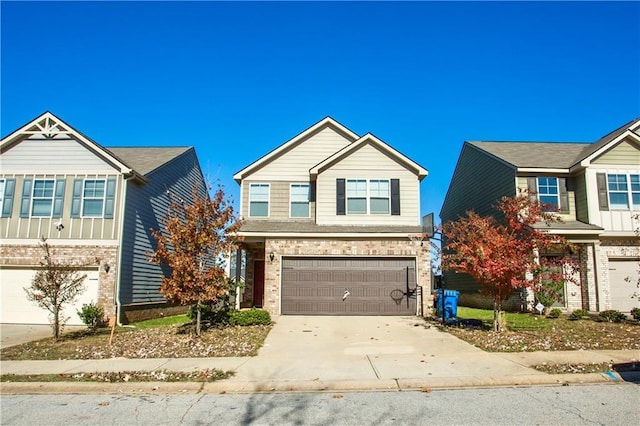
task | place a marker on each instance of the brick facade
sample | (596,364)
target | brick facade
(93,256)
(331,247)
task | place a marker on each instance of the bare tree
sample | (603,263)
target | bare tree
(55,284)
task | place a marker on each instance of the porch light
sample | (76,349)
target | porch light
(106,268)
(272,256)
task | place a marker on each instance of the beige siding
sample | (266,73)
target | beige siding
(74,228)
(522,185)
(368,163)
(279,208)
(478,182)
(52,156)
(294,165)
(623,153)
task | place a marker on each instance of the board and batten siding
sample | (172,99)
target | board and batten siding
(279,202)
(145,209)
(52,156)
(611,220)
(367,163)
(294,164)
(623,153)
(478,182)
(76,228)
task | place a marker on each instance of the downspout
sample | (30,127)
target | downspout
(121,247)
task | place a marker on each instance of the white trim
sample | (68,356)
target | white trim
(268,199)
(542,170)
(82,198)
(367,197)
(328,121)
(369,138)
(627,133)
(308,184)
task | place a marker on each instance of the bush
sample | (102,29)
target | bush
(578,314)
(251,316)
(555,313)
(635,313)
(92,315)
(211,314)
(612,316)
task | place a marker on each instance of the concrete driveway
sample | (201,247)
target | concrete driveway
(17,334)
(368,348)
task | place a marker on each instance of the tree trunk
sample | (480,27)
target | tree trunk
(499,323)
(198,311)
(56,324)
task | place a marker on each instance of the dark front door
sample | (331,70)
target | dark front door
(258,283)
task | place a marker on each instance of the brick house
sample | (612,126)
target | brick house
(90,202)
(327,217)
(596,187)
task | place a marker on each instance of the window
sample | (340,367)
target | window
(93,195)
(548,192)
(379,196)
(42,197)
(1,191)
(618,192)
(259,200)
(299,197)
(635,191)
(356,196)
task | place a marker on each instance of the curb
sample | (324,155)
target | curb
(388,385)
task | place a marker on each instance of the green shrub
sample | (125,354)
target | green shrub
(92,315)
(578,314)
(635,313)
(251,316)
(555,313)
(612,316)
(210,313)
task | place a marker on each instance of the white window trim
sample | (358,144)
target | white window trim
(631,192)
(83,198)
(308,185)
(628,191)
(367,196)
(268,185)
(548,195)
(34,198)
(2,188)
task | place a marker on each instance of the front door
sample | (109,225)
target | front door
(258,283)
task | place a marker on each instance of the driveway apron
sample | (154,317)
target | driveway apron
(368,348)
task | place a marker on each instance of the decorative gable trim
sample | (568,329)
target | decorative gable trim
(48,126)
(324,123)
(380,145)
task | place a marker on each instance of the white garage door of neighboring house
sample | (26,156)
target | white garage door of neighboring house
(348,286)
(623,283)
(16,309)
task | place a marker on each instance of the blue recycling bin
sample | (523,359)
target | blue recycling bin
(450,304)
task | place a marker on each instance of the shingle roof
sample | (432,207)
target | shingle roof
(535,154)
(308,227)
(569,225)
(144,160)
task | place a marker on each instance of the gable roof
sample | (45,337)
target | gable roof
(556,155)
(147,159)
(369,139)
(326,122)
(131,161)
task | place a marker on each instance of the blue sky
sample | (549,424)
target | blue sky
(237,79)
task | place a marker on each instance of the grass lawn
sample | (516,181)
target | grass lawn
(123,376)
(529,332)
(159,338)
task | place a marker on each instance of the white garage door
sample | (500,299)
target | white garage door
(16,309)
(623,283)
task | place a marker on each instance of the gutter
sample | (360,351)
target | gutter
(121,247)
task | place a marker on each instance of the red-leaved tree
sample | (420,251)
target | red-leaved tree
(197,235)
(504,254)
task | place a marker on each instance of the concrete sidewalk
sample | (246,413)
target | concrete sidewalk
(339,353)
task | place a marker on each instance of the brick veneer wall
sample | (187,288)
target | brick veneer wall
(333,247)
(30,255)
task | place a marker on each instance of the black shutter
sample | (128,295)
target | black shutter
(340,197)
(603,199)
(564,196)
(395,197)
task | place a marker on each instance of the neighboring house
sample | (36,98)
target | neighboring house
(327,216)
(89,202)
(596,187)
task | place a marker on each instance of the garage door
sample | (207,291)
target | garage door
(16,309)
(623,282)
(349,286)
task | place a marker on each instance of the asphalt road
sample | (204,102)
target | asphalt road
(567,405)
